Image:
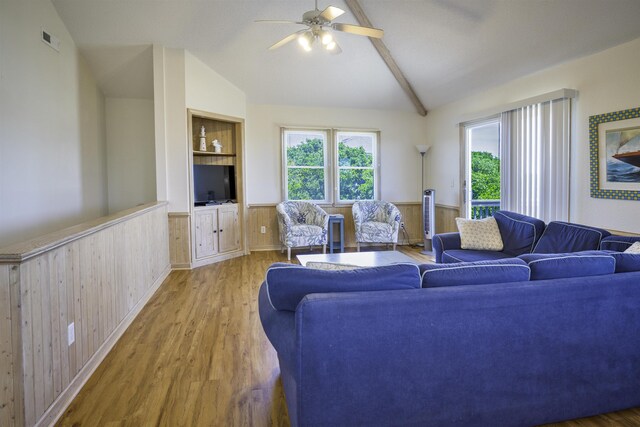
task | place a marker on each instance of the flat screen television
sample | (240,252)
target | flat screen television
(213,183)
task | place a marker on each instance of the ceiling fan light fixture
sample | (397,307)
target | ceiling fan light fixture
(305,40)
(331,45)
(326,37)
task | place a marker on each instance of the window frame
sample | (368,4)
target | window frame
(375,164)
(327,156)
(331,166)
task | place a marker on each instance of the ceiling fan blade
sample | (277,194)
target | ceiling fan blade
(361,31)
(286,40)
(277,21)
(331,13)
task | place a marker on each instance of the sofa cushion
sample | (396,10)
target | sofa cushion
(463,255)
(618,243)
(633,249)
(560,237)
(575,264)
(288,284)
(474,273)
(519,232)
(481,234)
(626,261)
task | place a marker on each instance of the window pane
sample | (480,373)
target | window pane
(305,184)
(356,184)
(483,142)
(355,150)
(305,149)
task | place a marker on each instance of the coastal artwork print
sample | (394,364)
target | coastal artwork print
(623,154)
(614,155)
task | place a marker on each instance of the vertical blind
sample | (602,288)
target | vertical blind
(535,143)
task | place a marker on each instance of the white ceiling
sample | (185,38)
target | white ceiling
(447,49)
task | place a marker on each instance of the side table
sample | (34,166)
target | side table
(336,219)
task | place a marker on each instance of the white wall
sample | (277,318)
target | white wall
(182,81)
(52,144)
(130,152)
(207,90)
(607,81)
(399,165)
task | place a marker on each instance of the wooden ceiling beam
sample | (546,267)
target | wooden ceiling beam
(385,54)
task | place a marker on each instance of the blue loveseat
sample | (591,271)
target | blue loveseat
(522,234)
(508,349)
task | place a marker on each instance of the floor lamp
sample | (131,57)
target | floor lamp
(422,149)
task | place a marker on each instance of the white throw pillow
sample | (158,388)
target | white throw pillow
(330,266)
(633,249)
(481,234)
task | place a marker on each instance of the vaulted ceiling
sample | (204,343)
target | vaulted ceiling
(447,49)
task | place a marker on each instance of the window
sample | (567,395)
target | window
(356,166)
(351,175)
(306,165)
(482,168)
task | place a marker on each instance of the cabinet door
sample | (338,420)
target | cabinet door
(206,233)
(228,231)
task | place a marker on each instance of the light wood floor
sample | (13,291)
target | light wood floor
(197,356)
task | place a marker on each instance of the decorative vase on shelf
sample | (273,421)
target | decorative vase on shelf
(203,139)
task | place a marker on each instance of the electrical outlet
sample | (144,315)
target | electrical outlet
(263,229)
(401,224)
(71,333)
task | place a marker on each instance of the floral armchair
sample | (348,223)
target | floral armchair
(302,224)
(376,222)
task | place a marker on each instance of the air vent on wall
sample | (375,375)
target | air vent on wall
(51,40)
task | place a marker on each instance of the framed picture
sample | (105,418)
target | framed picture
(614,152)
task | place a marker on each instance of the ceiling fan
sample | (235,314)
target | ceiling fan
(319,25)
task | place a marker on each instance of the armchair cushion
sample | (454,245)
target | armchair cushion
(560,237)
(376,221)
(302,224)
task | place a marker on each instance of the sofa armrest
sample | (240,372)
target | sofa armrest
(443,242)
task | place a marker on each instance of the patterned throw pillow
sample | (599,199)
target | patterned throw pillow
(633,249)
(480,235)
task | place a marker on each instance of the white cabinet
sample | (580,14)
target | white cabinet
(228,230)
(216,230)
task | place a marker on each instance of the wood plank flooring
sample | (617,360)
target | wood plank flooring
(197,356)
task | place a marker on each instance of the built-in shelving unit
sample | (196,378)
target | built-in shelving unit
(209,153)
(217,232)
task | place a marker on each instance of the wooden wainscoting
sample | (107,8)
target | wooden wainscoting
(265,215)
(96,276)
(446,218)
(179,240)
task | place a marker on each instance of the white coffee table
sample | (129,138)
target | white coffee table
(361,259)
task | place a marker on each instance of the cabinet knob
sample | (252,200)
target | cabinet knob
(221,230)
(214,231)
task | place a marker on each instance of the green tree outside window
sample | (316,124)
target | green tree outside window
(485,176)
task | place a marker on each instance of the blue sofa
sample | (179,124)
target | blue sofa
(522,234)
(522,352)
